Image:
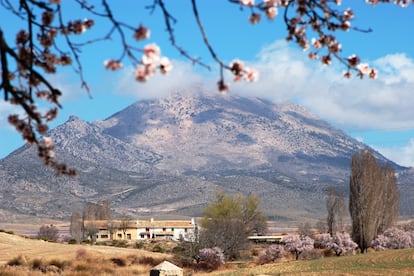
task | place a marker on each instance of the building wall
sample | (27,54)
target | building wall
(147,230)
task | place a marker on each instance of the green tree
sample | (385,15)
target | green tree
(373,198)
(229,220)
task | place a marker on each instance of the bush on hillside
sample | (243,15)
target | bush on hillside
(271,254)
(393,238)
(211,258)
(48,233)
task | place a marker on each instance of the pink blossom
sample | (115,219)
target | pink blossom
(348,74)
(373,74)
(112,64)
(349,14)
(269,3)
(402,3)
(141,74)
(142,33)
(165,65)
(251,74)
(152,50)
(247,2)
(271,12)
(316,43)
(313,55)
(326,60)
(363,68)
(353,60)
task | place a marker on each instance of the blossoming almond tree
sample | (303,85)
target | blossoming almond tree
(297,245)
(49,41)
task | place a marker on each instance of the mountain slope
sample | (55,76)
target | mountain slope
(171,154)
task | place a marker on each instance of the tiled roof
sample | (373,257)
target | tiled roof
(103,224)
(164,224)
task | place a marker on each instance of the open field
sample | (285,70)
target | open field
(69,259)
(392,262)
(13,245)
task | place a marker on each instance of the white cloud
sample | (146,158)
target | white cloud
(403,155)
(287,74)
(183,76)
(5,110)
(385,103)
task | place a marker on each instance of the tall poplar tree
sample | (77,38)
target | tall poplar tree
(373,198)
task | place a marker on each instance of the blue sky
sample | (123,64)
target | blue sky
(378,112)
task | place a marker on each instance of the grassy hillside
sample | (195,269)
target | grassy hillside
(391,262)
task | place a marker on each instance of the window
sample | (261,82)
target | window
(128,236)
(104,236)
(172,229)
(120,236)
(185,230)
(146,229)
(164,229)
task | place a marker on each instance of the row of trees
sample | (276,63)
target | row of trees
(85,225)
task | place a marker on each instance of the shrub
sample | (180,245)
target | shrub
(7,231)
(81,253)
(340,243)
(343,244)
(380,243)
(178,250)
(48,233)
(297,245)
(147,260)
(122,243)
(392,238)
(158,248)
(118,261)
(17,261)
(323,241)
(37,264)
(87,242)
(139,245)
(271,254)
(183,261)
(211,258)
(119,243)
(58,263)
(81,267)
(72,241)
(311,254)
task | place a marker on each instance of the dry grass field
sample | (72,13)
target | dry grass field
(22,256)
(37,257)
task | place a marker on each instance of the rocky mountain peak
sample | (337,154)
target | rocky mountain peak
(172,154)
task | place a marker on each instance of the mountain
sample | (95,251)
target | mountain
(170,155)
